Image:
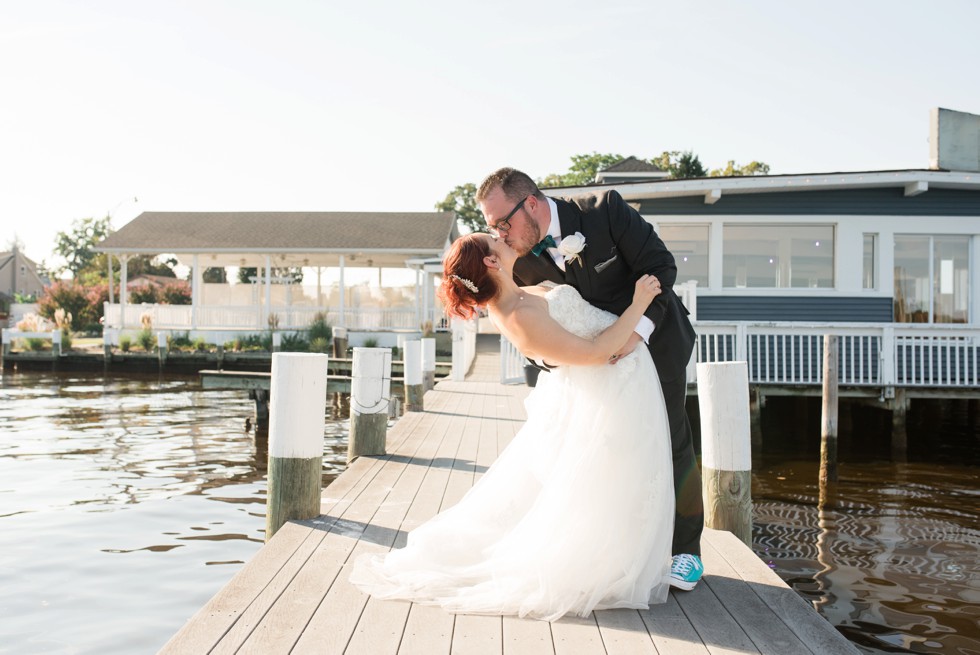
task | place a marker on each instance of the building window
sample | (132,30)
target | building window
(869,276)
(932,279)
(689,245)
(778,256)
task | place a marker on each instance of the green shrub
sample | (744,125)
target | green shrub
(319,345)
(36,344)
(200,345)
(179,340)
(146,340)
(65,339)
(125,342)
(294,342)
(319,329)
(371,343)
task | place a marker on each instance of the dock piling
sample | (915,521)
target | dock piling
(340,343)
(726,449)
(369,399)
(428,364)
(162,348)
(296,422)
(413,377)
(828,416)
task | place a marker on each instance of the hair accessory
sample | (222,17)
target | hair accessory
(466,283)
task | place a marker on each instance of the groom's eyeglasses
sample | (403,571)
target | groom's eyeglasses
(503,225)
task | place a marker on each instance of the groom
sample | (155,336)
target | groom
(619,247)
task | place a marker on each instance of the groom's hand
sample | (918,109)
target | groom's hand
(627,349)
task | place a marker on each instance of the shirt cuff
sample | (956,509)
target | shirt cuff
(644,328)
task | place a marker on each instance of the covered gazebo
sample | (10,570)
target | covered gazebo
(267,241)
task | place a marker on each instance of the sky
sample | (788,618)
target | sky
(242,105)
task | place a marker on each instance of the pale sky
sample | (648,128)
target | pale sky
(223,105)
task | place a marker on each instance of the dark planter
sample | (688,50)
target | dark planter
(531,374)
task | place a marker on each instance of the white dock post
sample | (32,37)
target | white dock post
(340,341)
(370,393)
(428,364)
(726,449)
(413,376)
(56,343)
(162,347)
(276,341)
(296,421)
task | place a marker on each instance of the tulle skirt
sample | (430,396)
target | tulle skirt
(575,515)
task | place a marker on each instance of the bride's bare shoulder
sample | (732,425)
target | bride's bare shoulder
(539,289)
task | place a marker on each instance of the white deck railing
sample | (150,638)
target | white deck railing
(871,354)
(464,346)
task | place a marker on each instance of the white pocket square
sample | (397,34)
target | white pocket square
(601,266)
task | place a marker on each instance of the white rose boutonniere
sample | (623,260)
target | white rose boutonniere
(571,247)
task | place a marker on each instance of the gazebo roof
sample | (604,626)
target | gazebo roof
(292,238)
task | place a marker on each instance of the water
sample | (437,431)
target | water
(127,502)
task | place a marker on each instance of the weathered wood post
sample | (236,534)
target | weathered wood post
(340,343)
(370,393)
(413,376)
(428,363)
(900,435)
(276,341)
(296,421)
(162,348)
(726,449)
(828,414)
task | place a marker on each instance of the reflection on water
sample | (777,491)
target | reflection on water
(125,503)
(894,559)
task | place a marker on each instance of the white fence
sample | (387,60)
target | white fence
(251,317)
(464,346)
(870,354)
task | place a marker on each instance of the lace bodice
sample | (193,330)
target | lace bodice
(573,313)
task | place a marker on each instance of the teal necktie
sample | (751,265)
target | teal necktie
(544,244)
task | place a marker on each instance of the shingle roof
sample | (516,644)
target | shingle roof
(272,231)
(632,165)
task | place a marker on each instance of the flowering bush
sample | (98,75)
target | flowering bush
(71,297)
(175,293)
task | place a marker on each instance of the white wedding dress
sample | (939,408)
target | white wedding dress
(575,515)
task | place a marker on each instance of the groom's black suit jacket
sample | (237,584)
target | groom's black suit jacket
(620,247)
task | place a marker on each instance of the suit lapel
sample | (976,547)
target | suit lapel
(570,220)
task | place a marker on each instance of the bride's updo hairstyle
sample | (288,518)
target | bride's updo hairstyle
(466,280)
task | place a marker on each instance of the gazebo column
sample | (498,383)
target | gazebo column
(195,291)
(418,297)
(319,289)
(268,289)
(108,260)
(123,292)
(343,292)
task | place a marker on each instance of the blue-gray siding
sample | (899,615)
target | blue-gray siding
(870,202)
(794,308)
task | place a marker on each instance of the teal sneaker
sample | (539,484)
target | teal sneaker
(685,571)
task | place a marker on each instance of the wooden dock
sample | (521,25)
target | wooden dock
(294,596)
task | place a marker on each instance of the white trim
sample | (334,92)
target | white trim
(780,183)
(916,188)
(713,196)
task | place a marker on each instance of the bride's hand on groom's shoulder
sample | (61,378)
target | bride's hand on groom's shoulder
(647,288)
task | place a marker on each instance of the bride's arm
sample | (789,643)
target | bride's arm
(534,331)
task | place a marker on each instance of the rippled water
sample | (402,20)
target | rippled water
(126,503)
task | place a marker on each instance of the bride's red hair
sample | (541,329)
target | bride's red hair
(464,261)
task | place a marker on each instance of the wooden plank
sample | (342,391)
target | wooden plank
(574,635)
(624,633)
(336,618)
(526,637)
(211,622)
(428,631)
(276,623)
(758,580)
(478,635)
(670,630)
(719,632)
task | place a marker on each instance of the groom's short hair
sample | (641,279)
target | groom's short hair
(515,185)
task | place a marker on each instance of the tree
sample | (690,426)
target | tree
(462,201)
(76,246)
(680,164)
(752,168)
(214,275)
(582,171)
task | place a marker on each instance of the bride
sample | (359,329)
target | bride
(577,512)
